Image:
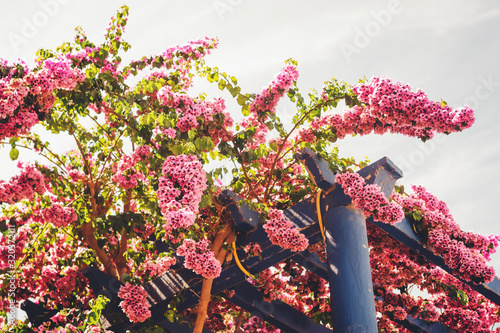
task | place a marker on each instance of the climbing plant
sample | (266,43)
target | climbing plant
(147,161)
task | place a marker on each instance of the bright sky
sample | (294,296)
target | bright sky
(449,49)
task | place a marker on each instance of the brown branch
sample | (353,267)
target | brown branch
(268,190)
(224,235)
(87,230)
(203,305)
(46,148)
(120,260)
(237,326)
(109,155)
(250,187)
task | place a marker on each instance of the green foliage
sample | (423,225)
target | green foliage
(97,305)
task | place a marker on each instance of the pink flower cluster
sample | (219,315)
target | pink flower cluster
(369,199)
(134,302)
(179,192)
(282,232)
(126,173)
(192,50)
(464,320)
(199,258)
(182,218)
(253,248)
(13,245)
(162,134)
(24,186)
(65,284)
(468,264)
(62,74)
(25,97)
(180,57)
(159,266)
(407,112)
(192,113)
(266,101)
(393,107)
(182,183)
(429,312)
(59,215)
(465,252)
(269,96)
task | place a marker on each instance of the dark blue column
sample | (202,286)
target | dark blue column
(349,273)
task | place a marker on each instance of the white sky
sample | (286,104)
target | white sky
(450,49)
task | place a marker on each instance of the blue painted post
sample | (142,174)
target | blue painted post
(349,272)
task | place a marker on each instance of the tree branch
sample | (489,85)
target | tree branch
(222,236)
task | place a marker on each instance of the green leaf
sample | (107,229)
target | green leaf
(235,91)
(241,100)
(171,316)
(188,148)
(14,154)
(245,109)
(462,296)
(206,200)
(204,144)
(93,318)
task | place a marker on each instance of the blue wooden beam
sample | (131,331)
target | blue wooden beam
(384,173)
(277,313)
(36,313)
(113,317)
(245,219)
(318,169)
(311,262)
(403,232)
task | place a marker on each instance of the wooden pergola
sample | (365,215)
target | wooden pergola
(347,268)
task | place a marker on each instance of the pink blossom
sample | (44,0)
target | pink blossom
(59,215)
(159,266)
(134,302)
(199,258)
(183,182)
(268,98)
(369,199)
(282,232)
(127,172)
(24,186)
(394,107)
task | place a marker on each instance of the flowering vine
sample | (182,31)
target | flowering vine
(138,193)
(369,198)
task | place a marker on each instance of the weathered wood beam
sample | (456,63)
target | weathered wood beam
(277,313)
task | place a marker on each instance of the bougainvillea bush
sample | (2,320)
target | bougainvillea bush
(141,169)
